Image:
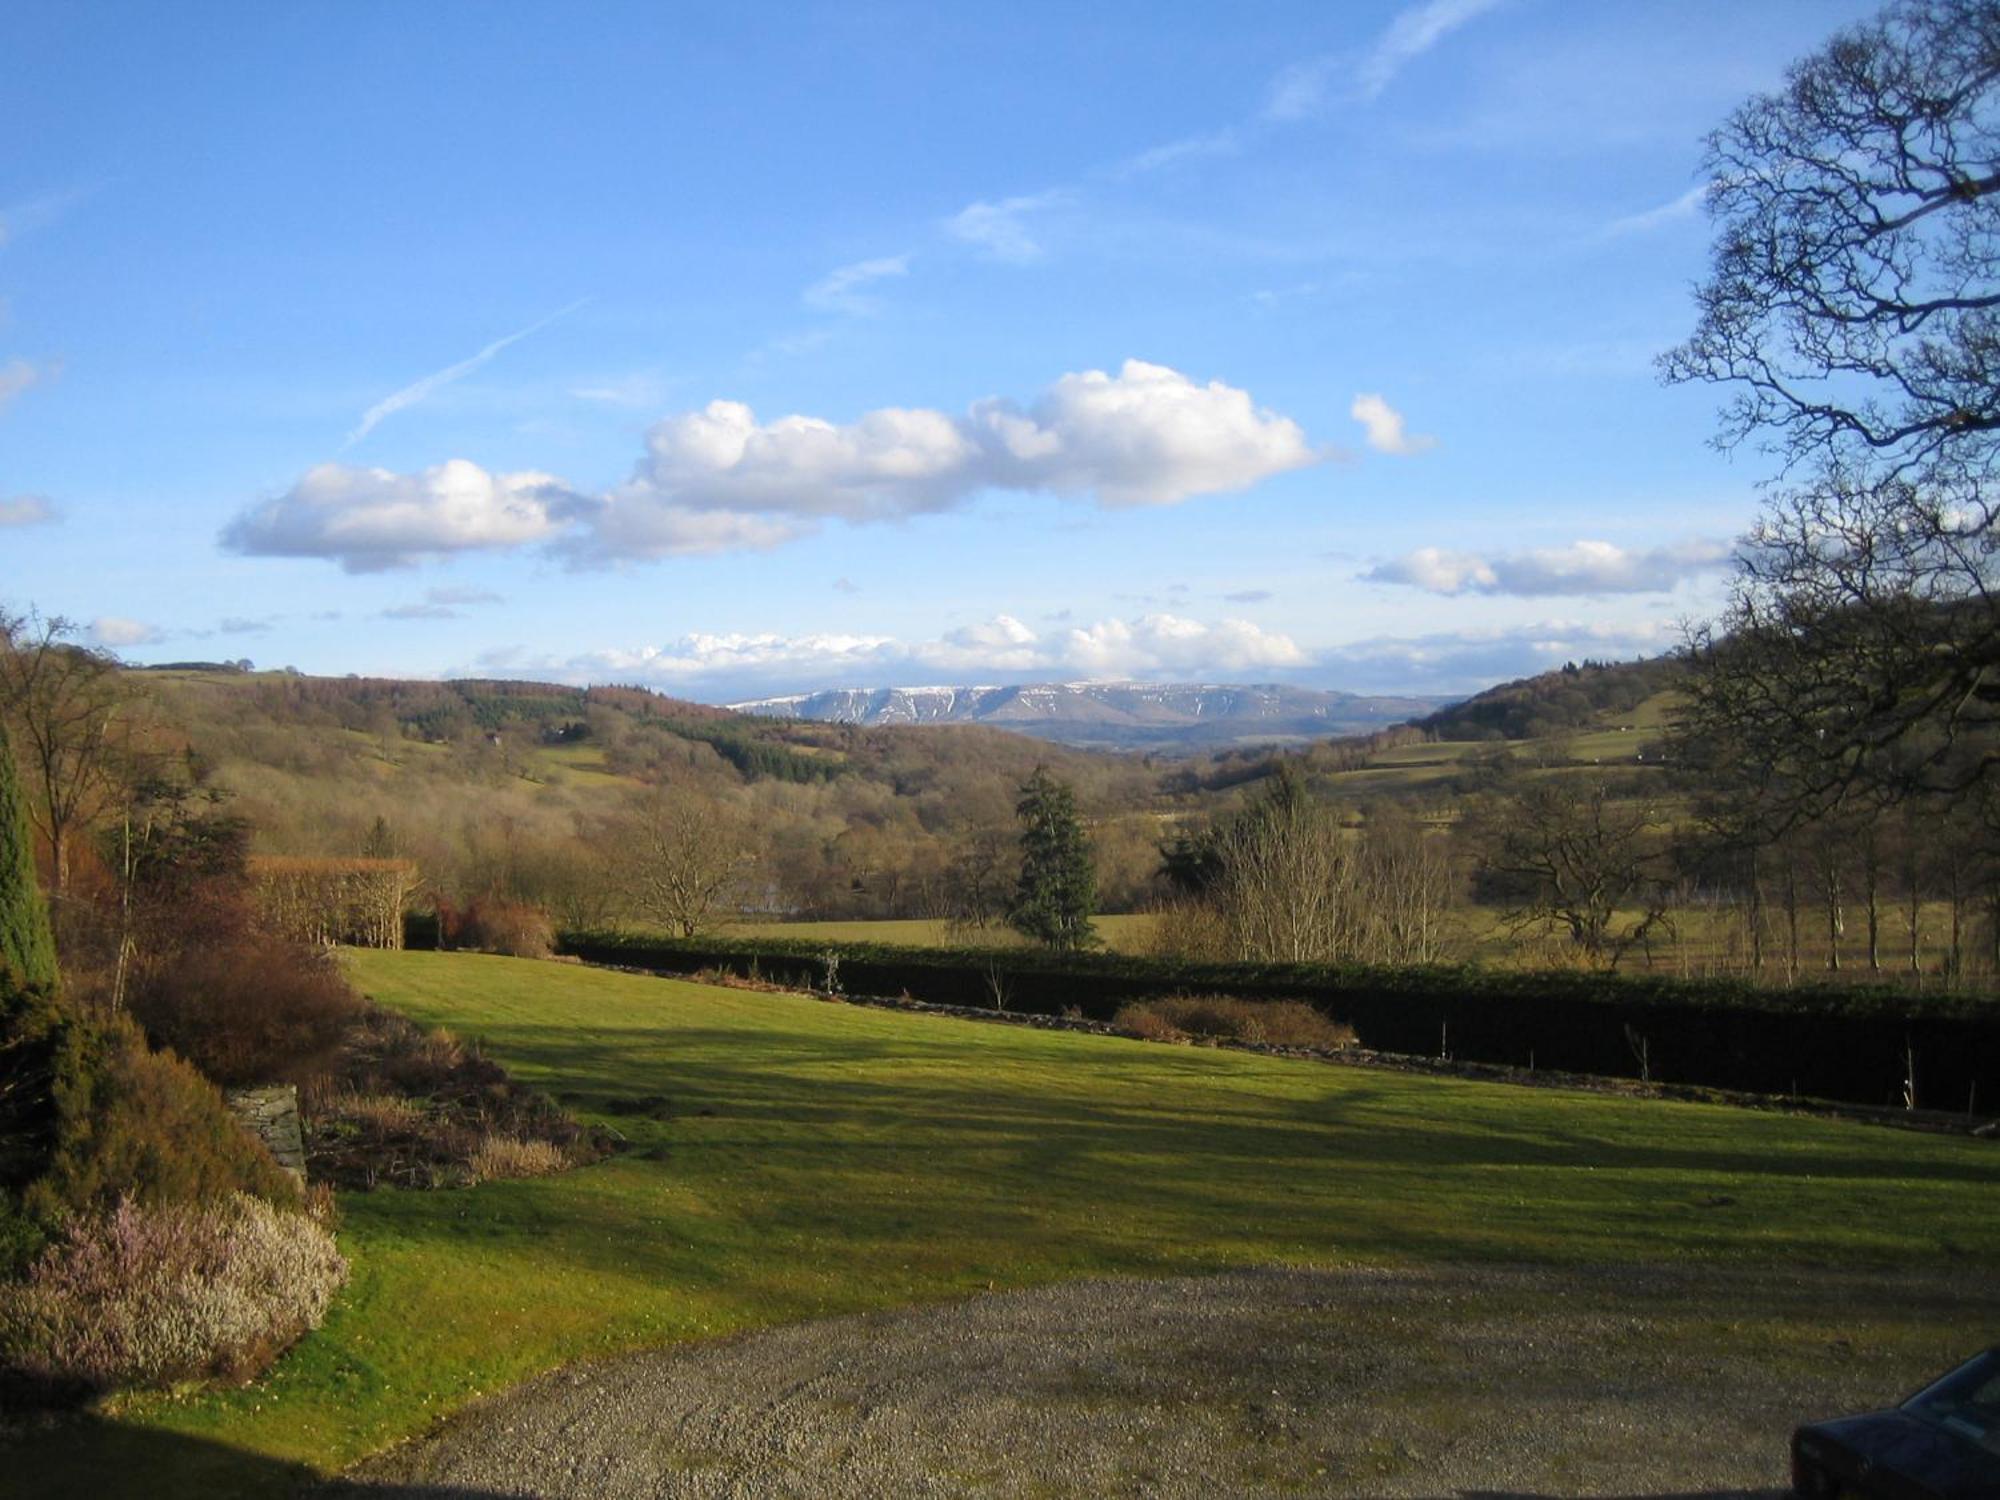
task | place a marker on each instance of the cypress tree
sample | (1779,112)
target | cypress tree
(1058,886)
(27,947)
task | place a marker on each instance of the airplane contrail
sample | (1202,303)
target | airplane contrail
(411,394)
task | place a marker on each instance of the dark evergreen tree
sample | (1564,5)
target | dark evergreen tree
(27,948)
(1057,891)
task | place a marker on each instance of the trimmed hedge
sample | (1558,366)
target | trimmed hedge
(1846,1044)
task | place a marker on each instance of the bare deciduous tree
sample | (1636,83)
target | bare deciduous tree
(683,860)
(68,710)
(1581,860)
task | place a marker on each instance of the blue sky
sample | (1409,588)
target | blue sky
(753,349)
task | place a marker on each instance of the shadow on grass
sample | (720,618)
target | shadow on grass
(1649,1495)
(91,1458)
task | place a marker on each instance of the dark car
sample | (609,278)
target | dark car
(1941,1444)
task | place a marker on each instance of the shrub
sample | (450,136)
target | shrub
(89,1114)
(499,1156)
(1276,1023)
(251,1010)
(149,1296)
(494,924)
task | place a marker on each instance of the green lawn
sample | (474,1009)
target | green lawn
(821,1159)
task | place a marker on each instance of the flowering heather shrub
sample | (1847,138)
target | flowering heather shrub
(500,1156)
(1276,1023)
(148,1296)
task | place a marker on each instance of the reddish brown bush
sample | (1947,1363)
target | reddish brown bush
(495,924)
(251,1010)
(1276,1023)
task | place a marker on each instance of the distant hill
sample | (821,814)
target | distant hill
(1112,715)
(1566,701)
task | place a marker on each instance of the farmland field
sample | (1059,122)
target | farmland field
(811,1159)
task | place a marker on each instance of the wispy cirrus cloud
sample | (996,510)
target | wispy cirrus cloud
(1675,211)
(19,375)
(840,290)
(26,510)
(1002,230)
(1306,88)
(27,215)
(420,390)
(1584,567)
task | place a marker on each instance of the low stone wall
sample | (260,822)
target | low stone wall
(272,1115)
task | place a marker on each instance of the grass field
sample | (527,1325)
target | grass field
(819,1159)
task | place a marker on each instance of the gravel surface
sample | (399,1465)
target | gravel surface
(1492,1382)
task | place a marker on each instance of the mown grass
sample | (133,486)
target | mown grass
(816,1159)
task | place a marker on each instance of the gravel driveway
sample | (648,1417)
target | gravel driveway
(1441,1381)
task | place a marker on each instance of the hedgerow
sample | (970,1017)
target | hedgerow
(1853,1044)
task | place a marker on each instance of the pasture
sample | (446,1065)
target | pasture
(792,1159)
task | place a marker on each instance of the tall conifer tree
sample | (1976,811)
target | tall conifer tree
(27,947)
(1057,891)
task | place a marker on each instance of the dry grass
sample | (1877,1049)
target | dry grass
(499,1156)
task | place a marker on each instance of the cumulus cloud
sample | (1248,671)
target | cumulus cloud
(1304,89)
(372,519)
(116,631)
(26,510)
(1584,567)
(720,479)
(1384,426)
(1467,661)
(1001,648)
(840,290)
(1001,230)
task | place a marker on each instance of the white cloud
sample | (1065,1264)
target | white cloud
(641,390)
(26,510)
(419,390)
(840,289)
(16,376)
(1584,567)
(1682,208)
(115,631)
(1466,661)
(1302,90)
(371,519)
(718,479)
(30,214)
(1151,646)
(1384,425)
(1000,229)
